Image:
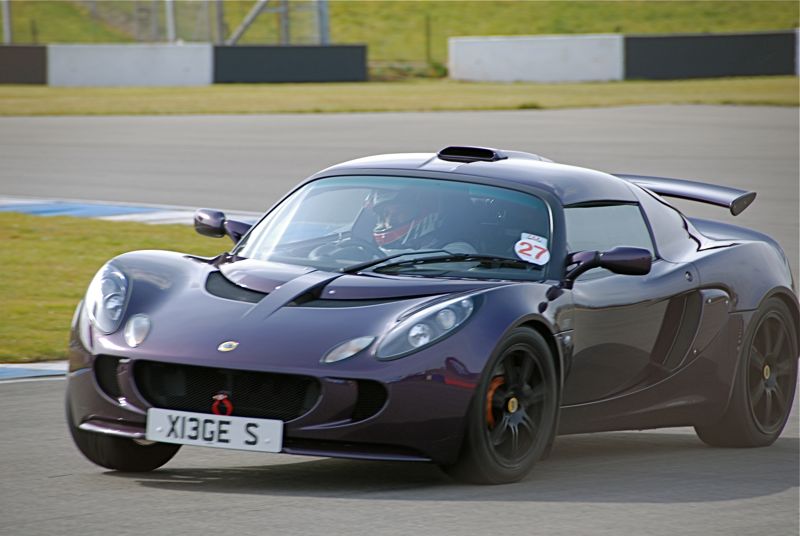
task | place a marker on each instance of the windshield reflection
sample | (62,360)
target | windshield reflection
(352,223)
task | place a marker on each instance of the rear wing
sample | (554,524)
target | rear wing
(733,199)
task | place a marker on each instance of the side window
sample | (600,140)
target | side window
(669,229)
(602,227)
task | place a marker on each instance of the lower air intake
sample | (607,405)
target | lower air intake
(105,373)
(371,399)
(252,394)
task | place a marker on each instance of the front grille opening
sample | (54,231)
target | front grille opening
(218,285)
(253,394)
(105,373)
(370,400)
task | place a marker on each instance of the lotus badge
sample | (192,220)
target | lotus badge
(227,346)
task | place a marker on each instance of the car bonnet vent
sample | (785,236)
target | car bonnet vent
(219,286)
(470,154)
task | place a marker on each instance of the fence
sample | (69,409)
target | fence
(158,21)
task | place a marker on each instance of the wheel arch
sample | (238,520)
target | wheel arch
(790,300)
(550,338)
(542,329)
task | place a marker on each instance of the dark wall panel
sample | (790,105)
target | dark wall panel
(20,64)
(250,64)
(706,56)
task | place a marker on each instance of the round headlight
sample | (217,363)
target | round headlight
(419,335)
(106,298)
(466,307)
(446,319)
(136,330)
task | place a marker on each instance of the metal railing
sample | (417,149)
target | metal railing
(221,22)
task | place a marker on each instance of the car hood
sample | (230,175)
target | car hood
(291,318)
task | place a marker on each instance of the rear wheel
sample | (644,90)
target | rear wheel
(765,383)
(118,453)
(511,418)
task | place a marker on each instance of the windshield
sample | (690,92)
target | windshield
(407,226)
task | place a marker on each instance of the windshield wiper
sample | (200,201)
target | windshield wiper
(353,268)
(492,260)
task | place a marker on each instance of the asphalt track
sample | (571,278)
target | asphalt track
(658,482)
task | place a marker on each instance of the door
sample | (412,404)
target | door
(627,330)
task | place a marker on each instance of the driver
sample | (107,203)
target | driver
(413,220)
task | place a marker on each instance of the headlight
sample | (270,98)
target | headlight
(136,330)
(106,298)
(347,349)
(425,327)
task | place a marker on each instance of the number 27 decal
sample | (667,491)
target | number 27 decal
(533,249)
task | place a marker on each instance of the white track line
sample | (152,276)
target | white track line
(27,380)
(161,214)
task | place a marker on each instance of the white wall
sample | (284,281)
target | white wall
(556,58)
(130,65)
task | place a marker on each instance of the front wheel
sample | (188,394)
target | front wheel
(118,453)
(511,418)
(764,385)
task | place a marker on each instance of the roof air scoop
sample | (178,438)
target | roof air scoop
(470,154)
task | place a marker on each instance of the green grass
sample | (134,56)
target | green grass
(47,264)
(58,21)
(413,95)
(396,31)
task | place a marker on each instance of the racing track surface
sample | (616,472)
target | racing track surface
(658,482)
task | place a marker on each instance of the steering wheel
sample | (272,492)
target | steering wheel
(354,249)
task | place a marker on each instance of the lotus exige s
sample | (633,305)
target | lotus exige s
(462,307)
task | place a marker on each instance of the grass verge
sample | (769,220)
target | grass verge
(47,264)
(414,95)
(394,30)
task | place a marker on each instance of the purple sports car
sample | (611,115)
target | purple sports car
(462,308)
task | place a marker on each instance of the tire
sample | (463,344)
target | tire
(764,385)
(118,453)
(511,419)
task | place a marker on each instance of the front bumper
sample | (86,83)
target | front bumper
(427,397)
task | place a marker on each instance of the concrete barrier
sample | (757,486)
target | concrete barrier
(663,57)
(797,51)
(301,63)
(130,65)
(579,58)
(557,58)
(23,64)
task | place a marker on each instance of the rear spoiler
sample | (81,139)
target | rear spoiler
(733,199)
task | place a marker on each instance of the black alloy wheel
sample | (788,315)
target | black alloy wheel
(770,376)
(514,405)
(765,382)
(512,416)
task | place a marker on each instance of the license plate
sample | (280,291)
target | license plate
(241,433)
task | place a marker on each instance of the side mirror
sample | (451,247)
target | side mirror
(620,260)
(213,223)
(209,222)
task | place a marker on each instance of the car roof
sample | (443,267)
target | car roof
(569,184)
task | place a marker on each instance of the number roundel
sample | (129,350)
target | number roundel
(533,249)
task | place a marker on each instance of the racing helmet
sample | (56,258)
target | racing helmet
(404,219)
